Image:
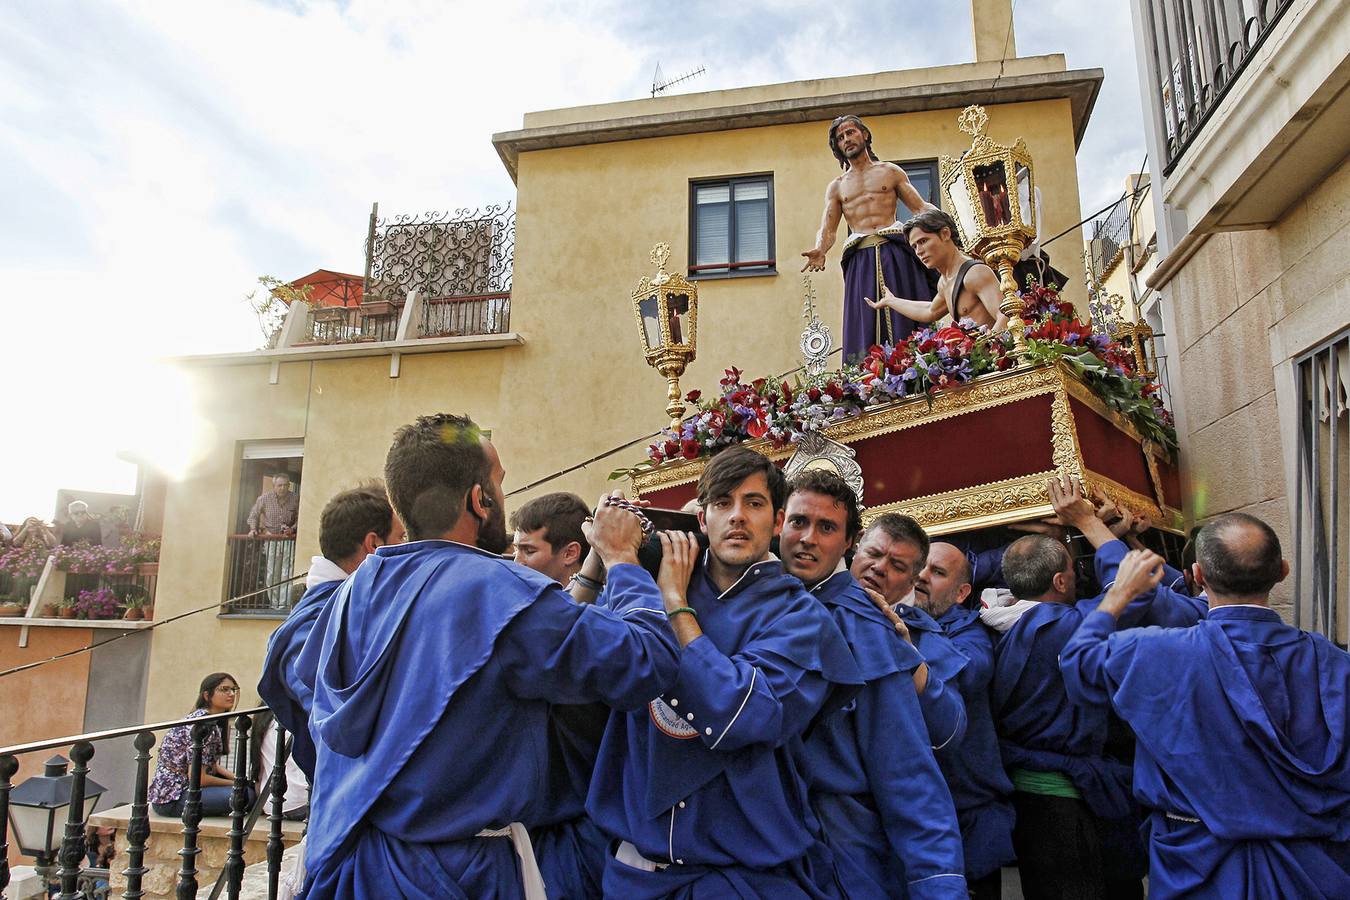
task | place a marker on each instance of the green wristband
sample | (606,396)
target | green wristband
(682,609)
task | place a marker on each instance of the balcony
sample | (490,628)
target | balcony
(261,568)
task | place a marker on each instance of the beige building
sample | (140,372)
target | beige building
(1246,112)
(546,354)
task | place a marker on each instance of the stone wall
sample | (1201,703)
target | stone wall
(1245,304)
(166,839)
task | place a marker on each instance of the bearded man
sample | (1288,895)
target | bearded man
(877,256)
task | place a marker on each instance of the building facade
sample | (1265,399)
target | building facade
(1246,109)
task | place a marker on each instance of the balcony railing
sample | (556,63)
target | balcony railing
(1110,234)
(466,253)
(137,832)
(1199,48)
(258,566)
(453,316)
(376,321)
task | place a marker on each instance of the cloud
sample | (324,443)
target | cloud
(158,156)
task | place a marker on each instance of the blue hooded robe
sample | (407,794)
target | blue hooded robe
(944,711)
(436,665)
(1243,752)
(887,816)
(704,782)
(979,784)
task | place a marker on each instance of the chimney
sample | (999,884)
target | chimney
(991,21)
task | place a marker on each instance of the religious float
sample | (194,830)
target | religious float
(957,426)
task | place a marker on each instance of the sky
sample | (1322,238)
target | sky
(157,157)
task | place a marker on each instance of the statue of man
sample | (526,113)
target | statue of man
(877,258)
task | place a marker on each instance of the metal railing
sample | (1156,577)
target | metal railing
(1199,47)
(1322,487)
(460,254)
(1110,235)
(242,816)
(352,324)
(452,316)
(257,565)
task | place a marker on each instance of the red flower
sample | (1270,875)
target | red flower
(757,427)
(787,394)
(671,449)
(951,335)
(693,396)
(834,390)
(813,394)
(690,449)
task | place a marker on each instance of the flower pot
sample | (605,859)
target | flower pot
(51,610)
(68,612)
(148,611)
(135,614)
(11,609)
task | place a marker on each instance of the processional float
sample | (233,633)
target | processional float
(962,458)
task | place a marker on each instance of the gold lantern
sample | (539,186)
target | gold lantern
(992,196)
(666,307)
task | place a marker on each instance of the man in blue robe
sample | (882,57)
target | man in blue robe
(701,790)
(436,664)
(887,816)
(891,553)
(351,527)
(1243,755)
(974,771)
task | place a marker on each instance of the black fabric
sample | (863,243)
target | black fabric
(1059,844)
(954,295)
(990,887)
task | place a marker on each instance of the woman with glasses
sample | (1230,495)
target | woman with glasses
(217,694)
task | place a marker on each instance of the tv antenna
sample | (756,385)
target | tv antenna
(660,83)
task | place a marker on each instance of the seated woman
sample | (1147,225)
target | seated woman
(217,694)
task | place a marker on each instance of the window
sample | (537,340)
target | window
(1321,559)
(923,174)
(261,555)
(731,226)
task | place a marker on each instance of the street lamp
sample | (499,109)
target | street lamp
(666,307)
(39,808)
(991,189)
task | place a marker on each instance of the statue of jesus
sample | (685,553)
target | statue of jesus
(877,258)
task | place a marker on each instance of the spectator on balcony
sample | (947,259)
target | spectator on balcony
(352,525)
(274,514)
(435,665)
(217,694)
(115,527)
(80,526)
(6,536)
(35,533)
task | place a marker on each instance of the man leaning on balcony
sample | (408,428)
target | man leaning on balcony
(274,513)
(435,664)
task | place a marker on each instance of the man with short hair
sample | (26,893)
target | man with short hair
(1241,726)
(273,516)
(435,664)
(701,790)
(876,255)
(81,526)
(974,771)
(886,814)
(353,525)
(548,535)
(890,557)
(967,288)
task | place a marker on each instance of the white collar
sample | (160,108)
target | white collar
(323,570)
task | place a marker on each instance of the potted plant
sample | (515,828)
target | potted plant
(51,609)
(9,606)
(66,609)
(135,609)
(97,604)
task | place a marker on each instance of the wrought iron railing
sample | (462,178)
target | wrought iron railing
(259,564)
(451,316)
(1199,48)
(464,253)
(242,816)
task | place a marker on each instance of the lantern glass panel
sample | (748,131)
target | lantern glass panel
(959,196)
(649,307)
(1024,195)
(991,182)
(34,827)
(677,305)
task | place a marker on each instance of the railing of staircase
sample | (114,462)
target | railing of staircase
(74,880)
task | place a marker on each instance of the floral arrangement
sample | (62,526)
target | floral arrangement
(24,562)
(928,361)
(93,559)
(98,604)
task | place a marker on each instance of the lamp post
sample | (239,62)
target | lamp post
(666,307)
(991,190)
(39,807)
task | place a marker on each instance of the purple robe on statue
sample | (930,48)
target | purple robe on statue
(867,259)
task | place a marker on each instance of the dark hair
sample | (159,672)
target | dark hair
(430,469)
(933,221)
(901,528)
(1031,563)
(834,131)
(350,516)
(1239,555)
(725,472)
(830,484)
(559,514)
(207,688)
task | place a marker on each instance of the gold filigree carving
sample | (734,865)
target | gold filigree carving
(997,503)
